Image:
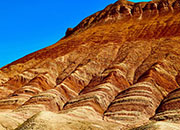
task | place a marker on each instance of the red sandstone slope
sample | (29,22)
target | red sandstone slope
(118,69)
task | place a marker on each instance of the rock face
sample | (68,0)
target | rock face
(118,69)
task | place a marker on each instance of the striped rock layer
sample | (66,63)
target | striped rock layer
(117,69)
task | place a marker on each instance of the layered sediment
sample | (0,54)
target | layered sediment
(117,69)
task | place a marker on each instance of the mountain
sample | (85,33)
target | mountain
(117,69)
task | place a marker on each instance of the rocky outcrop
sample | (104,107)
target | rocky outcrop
(118,69)
(128,10)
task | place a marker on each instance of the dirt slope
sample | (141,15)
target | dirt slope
(118,69)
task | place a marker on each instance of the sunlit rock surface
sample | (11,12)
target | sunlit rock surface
(117,69)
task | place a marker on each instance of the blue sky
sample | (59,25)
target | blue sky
(29,25)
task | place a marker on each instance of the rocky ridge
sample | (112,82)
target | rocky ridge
(118,69)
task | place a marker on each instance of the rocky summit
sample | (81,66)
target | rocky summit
(118,69)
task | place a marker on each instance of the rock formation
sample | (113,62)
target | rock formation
(117,69)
